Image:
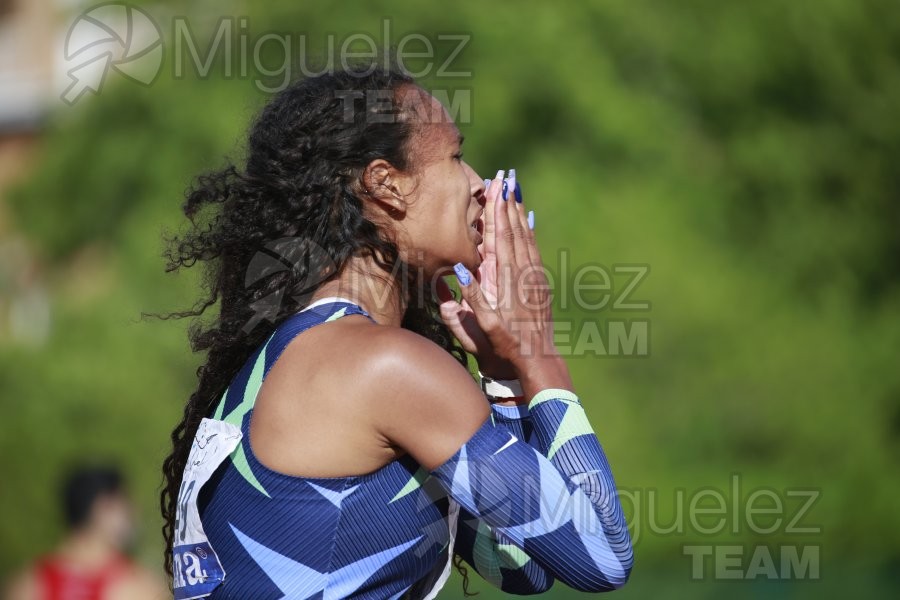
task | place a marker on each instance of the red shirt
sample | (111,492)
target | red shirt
(59,582)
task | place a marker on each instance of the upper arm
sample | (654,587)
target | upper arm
(427,403)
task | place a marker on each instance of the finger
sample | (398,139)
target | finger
(525,221)
(444,293)
(491,194)
(487,278)
(458,318)
(531,241)
(447,304)
(505,249)
(528,227)
(535,275)
(534,272)
(515,194)
(471,292)
(462,326)
(451,314)
(517,222)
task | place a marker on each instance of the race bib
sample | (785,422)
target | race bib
(197,570)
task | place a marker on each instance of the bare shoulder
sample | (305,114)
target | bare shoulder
(427,402)
(386,358)
(406,390)
(395,350)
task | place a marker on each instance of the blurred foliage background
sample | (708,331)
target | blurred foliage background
(747,152)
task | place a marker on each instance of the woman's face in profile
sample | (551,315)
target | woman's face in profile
(443,224)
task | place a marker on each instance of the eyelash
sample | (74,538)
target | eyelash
(458,156)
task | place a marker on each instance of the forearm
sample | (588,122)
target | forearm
(499,562)
(564,435)
(494,557)
(556,502)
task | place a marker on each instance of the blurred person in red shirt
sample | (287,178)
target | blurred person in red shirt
(91,562)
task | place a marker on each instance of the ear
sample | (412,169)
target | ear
(381,181)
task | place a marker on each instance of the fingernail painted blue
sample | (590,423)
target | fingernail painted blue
(512,174)
(530,219)
(505,189)
(518,193)
(462,274)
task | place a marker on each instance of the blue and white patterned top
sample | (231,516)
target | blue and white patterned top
(532,490)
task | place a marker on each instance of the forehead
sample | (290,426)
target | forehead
(435,129)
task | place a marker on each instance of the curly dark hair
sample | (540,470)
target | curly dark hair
(305,159)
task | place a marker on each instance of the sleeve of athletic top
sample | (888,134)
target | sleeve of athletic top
(489,552)
(557,503)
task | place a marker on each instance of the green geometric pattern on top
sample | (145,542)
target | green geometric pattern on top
(221,407)
(553,394)
(337,315)
(574,423)
(236,417)
(489,555)
(414,483)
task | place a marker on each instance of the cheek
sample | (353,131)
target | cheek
(448,204)
(440,222)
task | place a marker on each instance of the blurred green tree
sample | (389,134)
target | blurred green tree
(746,152)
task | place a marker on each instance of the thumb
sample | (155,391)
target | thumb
(450,309)
(448,305)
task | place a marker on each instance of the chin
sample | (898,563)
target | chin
(444,268)
(471,259)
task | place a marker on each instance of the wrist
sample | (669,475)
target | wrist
(497,369)
(545,372)
(501,391)
(537,348)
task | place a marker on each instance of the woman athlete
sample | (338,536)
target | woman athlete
(337,445)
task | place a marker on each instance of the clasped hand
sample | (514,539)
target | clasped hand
(504,317)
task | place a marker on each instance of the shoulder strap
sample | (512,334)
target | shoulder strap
(319,312)
(241,394)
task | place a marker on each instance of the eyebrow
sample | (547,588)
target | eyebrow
(462,138)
